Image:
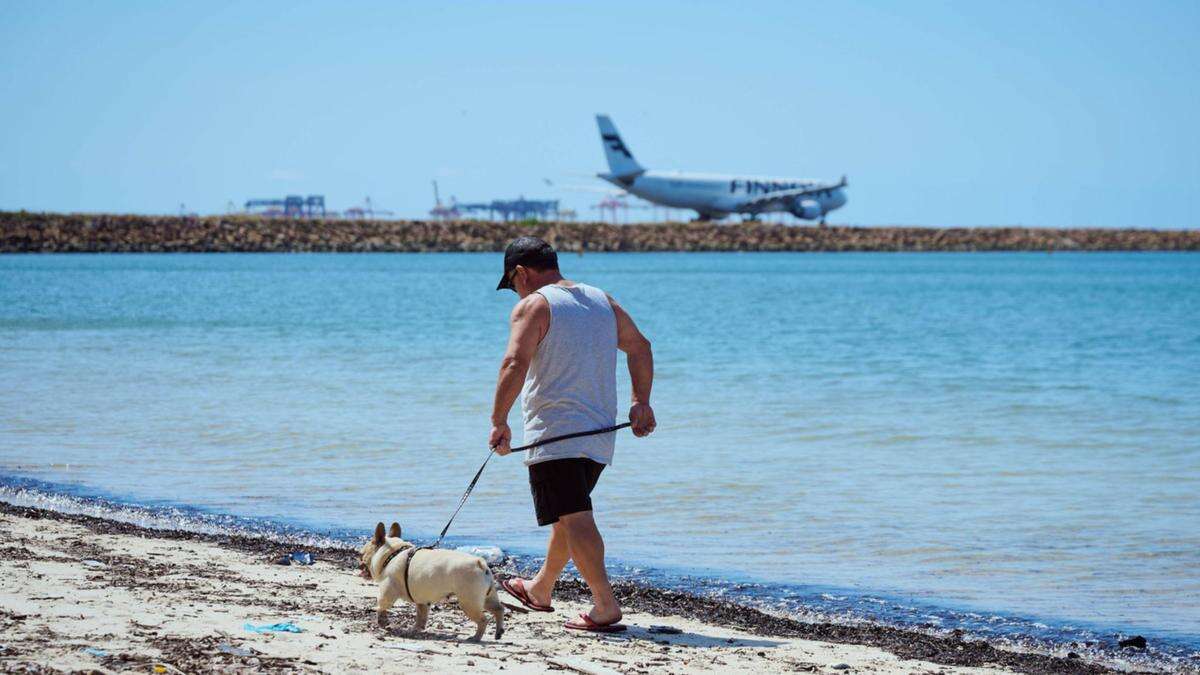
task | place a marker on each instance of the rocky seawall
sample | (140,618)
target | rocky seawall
(22,232)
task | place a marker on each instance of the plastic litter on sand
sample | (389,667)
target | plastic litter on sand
(284,627)
(297,557)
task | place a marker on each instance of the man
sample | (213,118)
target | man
(561,356)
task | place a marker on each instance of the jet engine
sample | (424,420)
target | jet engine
(807,209)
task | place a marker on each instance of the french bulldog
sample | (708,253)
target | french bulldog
(426,576)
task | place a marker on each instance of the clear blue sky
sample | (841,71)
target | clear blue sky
(942,113)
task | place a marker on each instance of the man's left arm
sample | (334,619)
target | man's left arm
(527,325)
(640,358)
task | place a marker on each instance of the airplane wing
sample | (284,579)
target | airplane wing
(781,197)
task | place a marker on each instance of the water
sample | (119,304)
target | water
(1006,442)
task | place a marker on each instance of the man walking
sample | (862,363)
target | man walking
(561,358)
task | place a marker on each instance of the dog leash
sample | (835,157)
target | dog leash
(412,551)
(471,486)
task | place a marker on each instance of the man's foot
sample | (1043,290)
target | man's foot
(606,617)
(520,590)
(590,625)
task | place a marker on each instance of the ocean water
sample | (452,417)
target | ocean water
(1008,443)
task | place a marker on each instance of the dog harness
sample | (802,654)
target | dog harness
(412,551)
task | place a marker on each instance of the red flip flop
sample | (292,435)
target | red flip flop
(518,591)
(585,623)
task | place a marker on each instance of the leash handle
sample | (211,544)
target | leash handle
(492,453)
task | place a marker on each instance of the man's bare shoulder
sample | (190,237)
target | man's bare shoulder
(532,306)
(616,306)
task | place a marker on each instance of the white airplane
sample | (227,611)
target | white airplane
(715,196)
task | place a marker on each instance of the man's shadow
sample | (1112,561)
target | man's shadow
(402,620)
(634,632)
(685,638)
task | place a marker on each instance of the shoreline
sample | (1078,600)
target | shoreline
(875,647)
(25,232)
(832,604)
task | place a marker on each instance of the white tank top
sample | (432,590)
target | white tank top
(571,385)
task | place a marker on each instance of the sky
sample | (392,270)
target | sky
(963,113)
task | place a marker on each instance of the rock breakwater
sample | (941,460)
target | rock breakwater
(22,232)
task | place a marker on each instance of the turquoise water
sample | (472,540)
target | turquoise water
(997,435)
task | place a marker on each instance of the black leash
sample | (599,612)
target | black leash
(544,441)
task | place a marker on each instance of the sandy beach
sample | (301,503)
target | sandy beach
(85,594)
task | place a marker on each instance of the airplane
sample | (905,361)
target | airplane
(714,196)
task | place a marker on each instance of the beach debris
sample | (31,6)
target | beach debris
(1135,642)
(665,630)
(283,627)
(297,557)
(94,564)
(95,651)
(582,666)
(226,648)
(491,554)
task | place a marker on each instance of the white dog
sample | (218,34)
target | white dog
(424,576)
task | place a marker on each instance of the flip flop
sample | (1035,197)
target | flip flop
(518,591)
(585,623)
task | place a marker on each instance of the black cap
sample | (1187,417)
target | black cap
(530,252)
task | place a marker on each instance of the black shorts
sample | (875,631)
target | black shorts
(562,486)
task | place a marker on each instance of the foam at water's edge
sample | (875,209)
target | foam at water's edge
(802,603)
(68,499)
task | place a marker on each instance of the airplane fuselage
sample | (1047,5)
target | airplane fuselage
(717,195)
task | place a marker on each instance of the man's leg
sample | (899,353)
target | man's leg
(587,550)
(557,555)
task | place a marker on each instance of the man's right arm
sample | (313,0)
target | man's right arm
(641,369)
(528,324)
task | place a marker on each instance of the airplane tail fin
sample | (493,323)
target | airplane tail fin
(621,163)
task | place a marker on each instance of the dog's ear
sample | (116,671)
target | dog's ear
(394,530)
(378,534)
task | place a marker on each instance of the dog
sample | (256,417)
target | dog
(434,576)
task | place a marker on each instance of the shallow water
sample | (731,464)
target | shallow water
(1002,435)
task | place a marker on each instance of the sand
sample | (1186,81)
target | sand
(72,598)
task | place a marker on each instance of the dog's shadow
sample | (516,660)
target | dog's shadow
(409,633)
(401,626)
